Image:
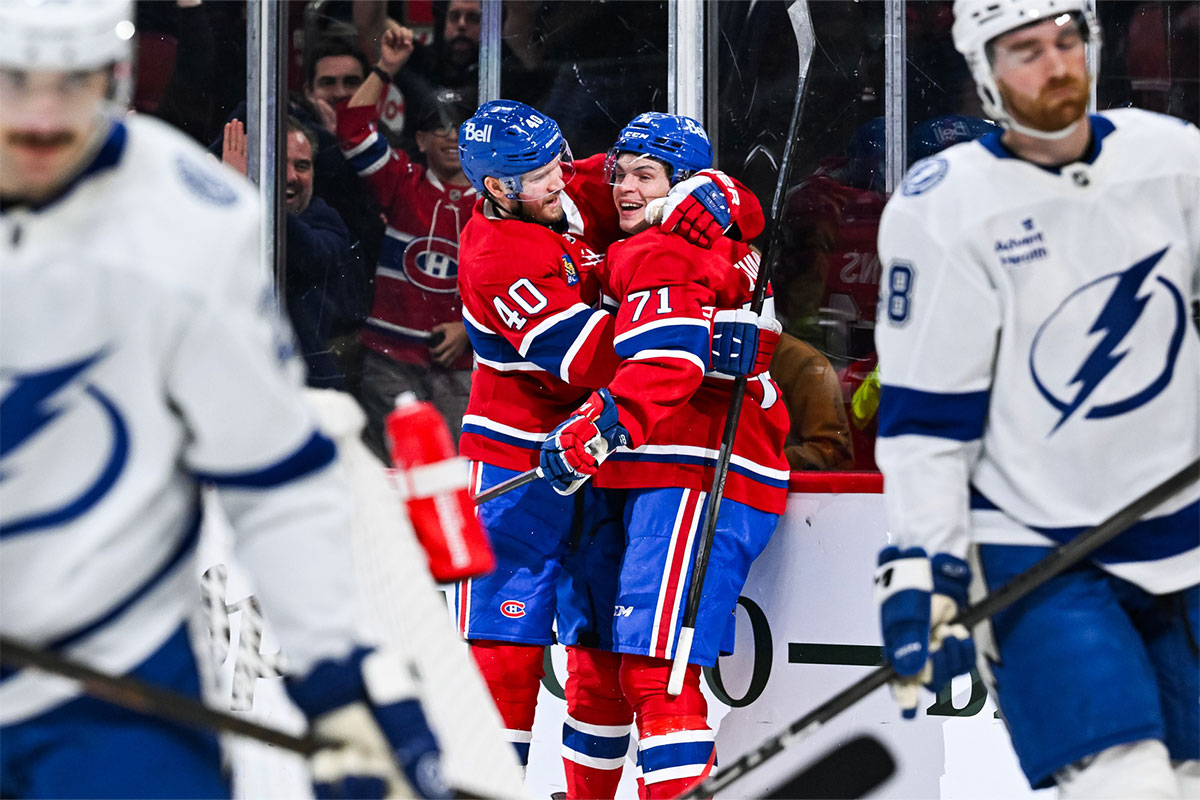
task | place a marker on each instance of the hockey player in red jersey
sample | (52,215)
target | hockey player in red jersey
(414,336)
(530,296)
(665,410)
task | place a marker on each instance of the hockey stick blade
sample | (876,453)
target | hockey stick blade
(1060,559)
(145,698)
(848,771)
(516,482)
(802,29)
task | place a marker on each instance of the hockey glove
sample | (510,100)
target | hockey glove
(918,596)
(699,209)
(743,342)
(367,701)
(575,449)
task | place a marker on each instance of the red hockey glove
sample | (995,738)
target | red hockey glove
(574,451)
(700,208)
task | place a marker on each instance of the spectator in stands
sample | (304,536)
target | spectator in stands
(414,336)
(819,437)
(335,70)
(321,261)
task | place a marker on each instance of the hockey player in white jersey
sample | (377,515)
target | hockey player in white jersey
(1040,369)
(141,354)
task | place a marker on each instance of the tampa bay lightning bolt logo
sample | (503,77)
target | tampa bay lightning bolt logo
(1127,354)
(431,263)
(32,404)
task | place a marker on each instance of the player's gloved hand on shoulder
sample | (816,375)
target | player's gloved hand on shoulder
(574,451)
(367,701)
(918,596)
(699,209)
(743,342)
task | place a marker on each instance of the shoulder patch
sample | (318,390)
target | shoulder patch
(925,175)
(203,183)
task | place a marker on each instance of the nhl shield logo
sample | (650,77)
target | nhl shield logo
(431,263)
(569,270)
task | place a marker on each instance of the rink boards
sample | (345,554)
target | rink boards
(807,628)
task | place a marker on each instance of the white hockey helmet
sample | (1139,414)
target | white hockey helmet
(69,35)
(978,22)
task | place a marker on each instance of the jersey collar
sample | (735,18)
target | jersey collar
(1101,128)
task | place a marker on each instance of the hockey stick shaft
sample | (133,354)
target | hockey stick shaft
(145,698)
(516,482)
(1060,559)
(802,26)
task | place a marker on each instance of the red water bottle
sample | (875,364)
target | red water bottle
(435,480)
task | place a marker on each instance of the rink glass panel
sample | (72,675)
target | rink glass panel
(594,65)
(591,65)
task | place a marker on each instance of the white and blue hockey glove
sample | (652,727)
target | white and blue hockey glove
(574,451)
(367,701)
(743,342)
(699,209)
(918,596)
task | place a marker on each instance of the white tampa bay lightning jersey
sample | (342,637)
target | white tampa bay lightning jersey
(140,355)
(1039,361)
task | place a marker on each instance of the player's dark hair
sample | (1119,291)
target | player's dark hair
(333,45)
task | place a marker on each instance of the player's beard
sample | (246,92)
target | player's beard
(1048,111)
(536,211)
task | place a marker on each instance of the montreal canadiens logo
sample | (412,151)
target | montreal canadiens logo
(1111,346)
(512,609)
(431,263)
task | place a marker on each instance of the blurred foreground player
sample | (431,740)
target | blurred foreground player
(665,409)
(142,353)
(1040,369)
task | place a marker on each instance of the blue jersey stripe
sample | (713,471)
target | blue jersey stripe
(691,338)
(957,416)
(317,453)
(369,155)
(675,755)
(679,458)
(487,433)
(548,348)
(592,745)
(492,346)
(1148,540)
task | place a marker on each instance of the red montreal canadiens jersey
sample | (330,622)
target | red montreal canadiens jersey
(530,298)
(667,289)
(416,279)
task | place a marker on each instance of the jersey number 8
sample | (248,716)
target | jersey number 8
(524,294)
(899,291)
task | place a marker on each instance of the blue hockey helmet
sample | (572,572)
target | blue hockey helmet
(506,139)
(935,135)
(679,142)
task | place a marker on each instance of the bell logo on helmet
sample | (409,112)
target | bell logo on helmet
(476,133)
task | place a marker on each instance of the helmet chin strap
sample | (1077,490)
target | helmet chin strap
(1051,136)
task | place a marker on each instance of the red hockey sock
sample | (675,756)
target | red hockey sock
(513,673)
(596,730)
(675,744)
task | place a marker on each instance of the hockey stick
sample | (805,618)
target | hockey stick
(847,771)
(803,30)
(145,698)
(515,482)
(1060,559)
